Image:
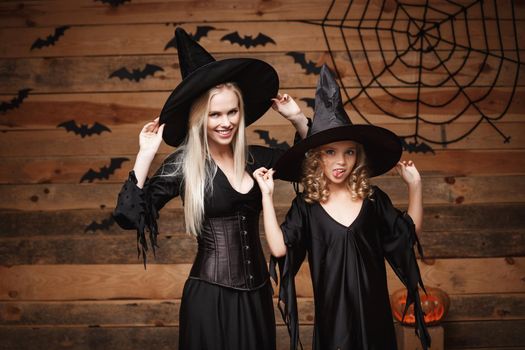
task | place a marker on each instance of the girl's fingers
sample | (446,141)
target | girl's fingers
(260,172)
(160,129)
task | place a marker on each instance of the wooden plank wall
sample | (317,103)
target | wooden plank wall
(69,278)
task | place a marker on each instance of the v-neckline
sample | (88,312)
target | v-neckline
(340,223)
(230,185)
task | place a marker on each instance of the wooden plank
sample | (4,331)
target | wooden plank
(118,338)
(140,39)
(438,220)
(176,248)
(467,276)
(121,313)
(123,140)
(436,191)
(457,335)
(486,307)
(484,334)
(450,232)
(84,12)
(89,338)
(112,313)
(87,74)
(60,170)
(81,282)
(94,338)
(46,111)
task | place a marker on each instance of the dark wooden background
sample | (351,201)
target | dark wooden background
(63,285)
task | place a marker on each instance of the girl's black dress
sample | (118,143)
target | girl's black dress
(347,266)
(227,299)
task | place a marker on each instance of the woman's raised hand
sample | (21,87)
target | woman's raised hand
(150,137)
(264,178)
(286,106)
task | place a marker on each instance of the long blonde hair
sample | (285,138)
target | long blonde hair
(197,167)
(315,184)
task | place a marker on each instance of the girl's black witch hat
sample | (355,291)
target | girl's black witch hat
(330,124)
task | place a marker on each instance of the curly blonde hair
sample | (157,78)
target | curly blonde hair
(315,183)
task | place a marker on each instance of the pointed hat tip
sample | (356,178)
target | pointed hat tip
(191,54)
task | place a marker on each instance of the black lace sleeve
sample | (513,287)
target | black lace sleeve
(398,243)
(139,208)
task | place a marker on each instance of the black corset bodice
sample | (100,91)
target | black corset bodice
(230,252)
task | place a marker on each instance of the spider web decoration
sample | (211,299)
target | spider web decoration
(425,57)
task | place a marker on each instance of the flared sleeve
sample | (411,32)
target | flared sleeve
(294,229)
(138,208)
(398,243)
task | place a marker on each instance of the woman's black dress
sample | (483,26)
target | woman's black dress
(227,299)
(347,266)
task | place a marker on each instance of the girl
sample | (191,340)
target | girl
(227,299)
(347,226)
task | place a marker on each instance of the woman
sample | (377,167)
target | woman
(227,299)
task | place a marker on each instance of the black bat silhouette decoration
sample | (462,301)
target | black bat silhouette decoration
(309,66)
(83,129)
(104,225)
(51,39)
(136,74)
(15,102)
(270,141)
(310,102)
(201,31)
(248,41)
(415,147)
(114,3)
(104,172)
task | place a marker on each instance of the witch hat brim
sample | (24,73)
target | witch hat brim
(331,124)
(257,80)
(382,147)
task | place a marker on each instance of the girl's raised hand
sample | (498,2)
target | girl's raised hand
(150,137)
(408,172)
(286,106)
(264,178)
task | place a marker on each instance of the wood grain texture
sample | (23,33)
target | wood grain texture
(124,139)
(437,191)
(159,281)
(105,313)
(139,39)
(70,170)
(442,219)
(46,111)
(473,231)
(457,336)
(89,74)
(84,12)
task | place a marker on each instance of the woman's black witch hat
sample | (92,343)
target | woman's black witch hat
(257,80)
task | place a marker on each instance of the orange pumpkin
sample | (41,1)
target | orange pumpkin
(435,305)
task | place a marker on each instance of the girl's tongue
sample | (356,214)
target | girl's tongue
(338,173)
